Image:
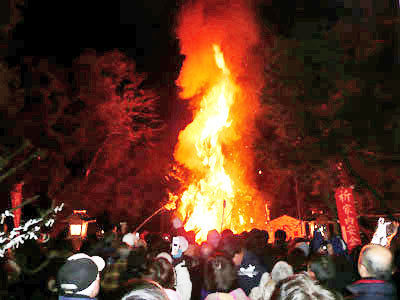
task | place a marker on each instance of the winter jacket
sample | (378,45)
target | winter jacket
(183,282)
(373,289)
(250,272)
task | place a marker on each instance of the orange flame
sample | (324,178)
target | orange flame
(214,147)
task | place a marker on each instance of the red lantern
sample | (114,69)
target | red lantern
(16,200)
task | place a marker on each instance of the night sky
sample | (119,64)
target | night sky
(59,30)
(143,29)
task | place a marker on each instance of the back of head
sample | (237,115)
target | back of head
(280,236)
(144,290)
(219,274)
(232,246)
(281,270)
(300,287)
(227,233)
(377,260)
(137,261)
(213,238)
(339,246)
(297,259)
(161,271)
(323,268)
(80,275)
(206,250)
(257,240)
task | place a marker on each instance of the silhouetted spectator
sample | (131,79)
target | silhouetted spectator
(249,266)
(257,243)
(79,277)
(213,238)
(220,279)
(161,271)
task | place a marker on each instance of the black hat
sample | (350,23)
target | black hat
(79,272)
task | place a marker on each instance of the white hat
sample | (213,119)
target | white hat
(100,263)
(130,239)
(79,272)
(166,256)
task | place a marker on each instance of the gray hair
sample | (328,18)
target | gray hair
(301,287)
(281,270)
(145,290)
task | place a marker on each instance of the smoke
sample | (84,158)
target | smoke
(229,23)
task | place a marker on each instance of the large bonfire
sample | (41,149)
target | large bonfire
(222,77)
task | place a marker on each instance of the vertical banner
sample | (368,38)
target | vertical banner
(348,217)
(16,200)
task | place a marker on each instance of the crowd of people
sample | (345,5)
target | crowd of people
(154,266)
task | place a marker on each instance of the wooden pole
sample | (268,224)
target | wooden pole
(148,219)
(223,213)
(299,215)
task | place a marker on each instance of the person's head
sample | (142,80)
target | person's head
(136,262)
(206,250)
(130,239)
(300,287)
(234,248)
(257,241)
(219,274)
(144,290)
(281,270)
(303,246)
(339,247)
(375,261)
(321,268)
(227,233)
(297,259)
(124,227)
(213,238)
(80,275)
(280,236)
(330,249)
(258,234)
(161,271)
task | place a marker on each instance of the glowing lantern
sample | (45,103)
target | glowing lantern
(78,224)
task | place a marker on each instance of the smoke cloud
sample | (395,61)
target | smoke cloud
(232,25)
